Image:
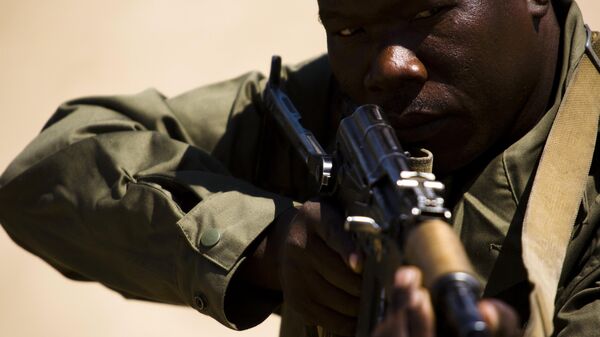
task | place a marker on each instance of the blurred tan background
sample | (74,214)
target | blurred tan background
(51,51)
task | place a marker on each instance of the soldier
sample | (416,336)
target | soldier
(196,200)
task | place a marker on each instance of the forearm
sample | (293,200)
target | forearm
(101,197)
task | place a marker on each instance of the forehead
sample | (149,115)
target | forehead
(331,9)
(336,13)
(345,6)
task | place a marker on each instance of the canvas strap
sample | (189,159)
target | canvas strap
(558,190)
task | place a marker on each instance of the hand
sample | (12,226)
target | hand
(315,271)
(413,313)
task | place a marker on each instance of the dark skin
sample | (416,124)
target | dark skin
(413,315)
(457,77)
(462,78)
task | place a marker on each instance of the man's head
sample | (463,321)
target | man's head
(458,77)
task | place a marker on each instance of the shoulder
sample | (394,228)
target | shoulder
(308,80)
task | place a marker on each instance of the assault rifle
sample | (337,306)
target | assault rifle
(396,213)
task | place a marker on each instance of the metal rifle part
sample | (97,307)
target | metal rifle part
(388,201)
(389,207)
(318,162)
(373,160)
(454,292)
(589,48)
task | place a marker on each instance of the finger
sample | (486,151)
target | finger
(501,319)
(302,290)
(394,325)
(334,298)
(330,227)
(421,319)
(333,269)
(356,261)
(331,320)
(412,299)
(302,283)
(406,279)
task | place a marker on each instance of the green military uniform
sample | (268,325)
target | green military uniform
(159,199)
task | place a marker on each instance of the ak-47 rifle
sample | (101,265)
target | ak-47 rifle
(396,214)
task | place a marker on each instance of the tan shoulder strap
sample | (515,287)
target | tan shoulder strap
(558,189)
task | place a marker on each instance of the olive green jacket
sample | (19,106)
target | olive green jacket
(159,198)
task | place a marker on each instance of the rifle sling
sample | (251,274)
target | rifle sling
(557,192)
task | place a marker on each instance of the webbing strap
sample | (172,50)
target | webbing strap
(557,192)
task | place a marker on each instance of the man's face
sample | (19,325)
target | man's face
(452,75)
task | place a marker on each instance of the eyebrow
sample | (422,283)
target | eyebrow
(331,14)
(330,9)
(327,14)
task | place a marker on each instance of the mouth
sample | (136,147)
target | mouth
(418,126)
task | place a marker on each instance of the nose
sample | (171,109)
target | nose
(395,67)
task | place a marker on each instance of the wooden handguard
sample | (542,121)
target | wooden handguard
(435,248)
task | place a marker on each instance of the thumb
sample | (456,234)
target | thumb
(501,319)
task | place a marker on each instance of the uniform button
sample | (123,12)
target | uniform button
(210,238)
(199,302)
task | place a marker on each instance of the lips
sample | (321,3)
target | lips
(418,126)
(434,114)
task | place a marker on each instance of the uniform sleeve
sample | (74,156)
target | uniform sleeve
(578,299)
(147,195)
(579,306)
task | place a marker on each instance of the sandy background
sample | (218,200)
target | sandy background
(51,51)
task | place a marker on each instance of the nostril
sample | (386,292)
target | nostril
(394,66)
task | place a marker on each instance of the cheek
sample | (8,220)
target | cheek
(482,54)
(492,48)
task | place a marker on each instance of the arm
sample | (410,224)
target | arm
(578,301)
(123,190)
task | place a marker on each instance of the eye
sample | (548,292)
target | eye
(348,32)
(428,13)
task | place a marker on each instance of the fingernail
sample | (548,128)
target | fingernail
(405,277)
(355,263)
(490,315)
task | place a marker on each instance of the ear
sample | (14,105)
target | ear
(538,8)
